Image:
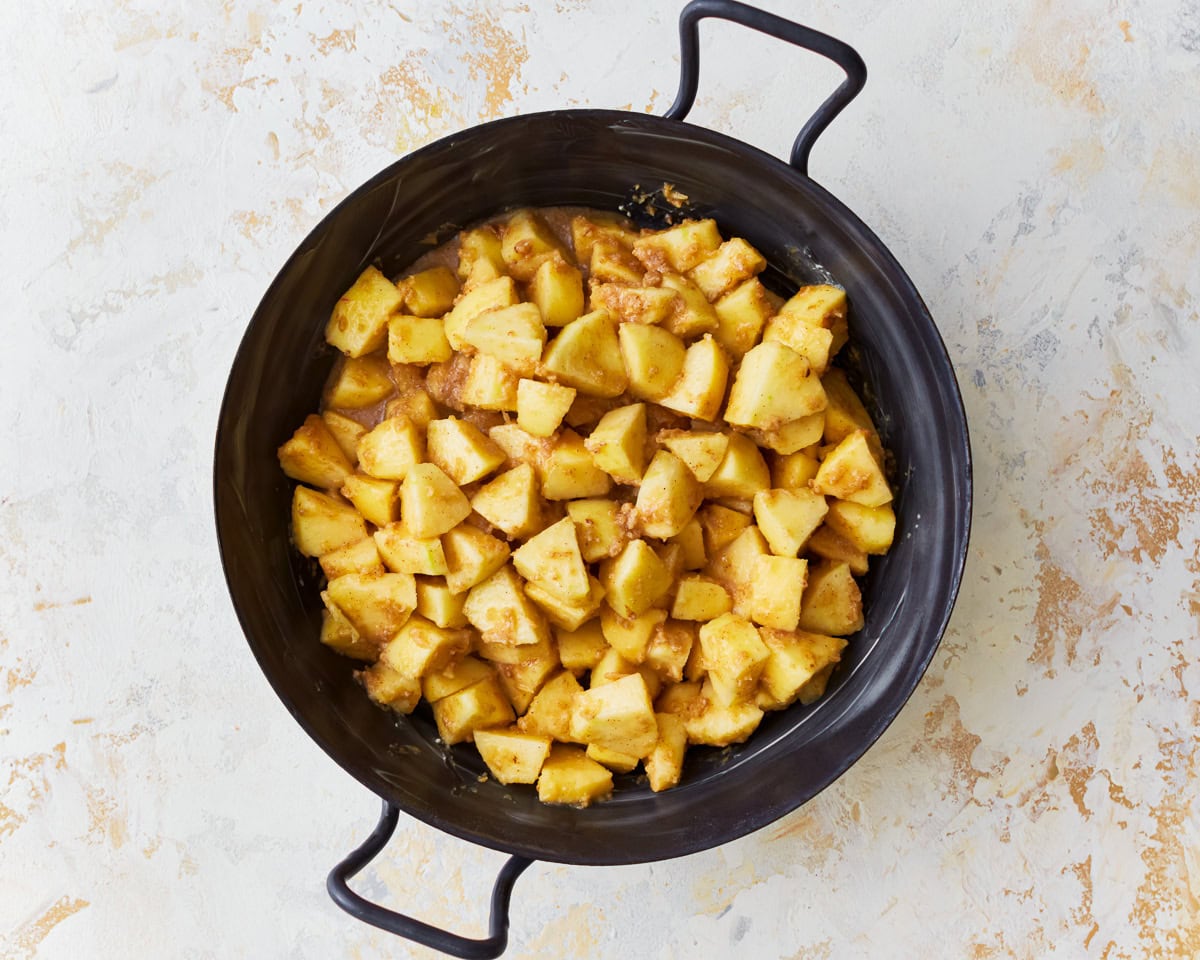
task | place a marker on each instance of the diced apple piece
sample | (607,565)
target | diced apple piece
(615,761)
(634,304)
(436,602)
(832,602)
(733,567)
(741,315)
(346,431)
(377,605)
(820,305)
(634,579)
(500,611)
(430,502)
(668,497)
(793,436)
(522,680)
(521,447)
(570,471)
(721,526)
(392,689)
(321,523)
(456,676)
(358,324)
(479,254)
(814,344)
(481,706)
(869,529)
(570,776)
(582,648)
(612,262)
(598,523)
(670,648)
(552,559)
(358,557)
(743,471)
(796,657)
(567,614)
(721,724)
(787,518)
(733,262)
(618,443)
(630,636)
(416,405)
(377,500)
(585,231)
(526,242)
(419,340)
(701,386)
(499,653)
(654,358)
(339,634)
(391,449)
(512,757)
(404,553)
(586,355)
(431,292)
(815,688)
(513,335)
(491,295)
(773,386)
(679,248)
(549,713)
(778,587)
(845,412)
(313,455)
(512,502)
(471,557)
(359,382)
(557,290)
(682,700)
(702,453)
(734,655)
(461,450)
(793,471)
(851,472)
(693,315)
(422,647)
(664,764)
(691,543)
(700,598)
(617,716)
(542,406)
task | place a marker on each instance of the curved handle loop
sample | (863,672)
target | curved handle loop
(840,53)
(407,927)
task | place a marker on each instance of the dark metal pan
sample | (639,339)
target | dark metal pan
(603,159)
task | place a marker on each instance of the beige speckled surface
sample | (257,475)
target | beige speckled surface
(1033,165)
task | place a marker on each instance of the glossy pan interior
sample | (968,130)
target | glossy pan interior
(598,159)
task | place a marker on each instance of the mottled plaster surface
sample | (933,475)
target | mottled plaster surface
(1033,165)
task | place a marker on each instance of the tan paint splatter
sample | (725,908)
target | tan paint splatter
(494,55)
(945,734)
(20,676)
(1050,48)
(1126,33)
(25,942)
(822,950)
(337,40)
(574,933)
(100,220)
(1061,610)
(55,604)
(28,786)
(105,821)
(410,104)
(1167,910)
(1077,764)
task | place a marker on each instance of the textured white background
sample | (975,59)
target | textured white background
(1036,167)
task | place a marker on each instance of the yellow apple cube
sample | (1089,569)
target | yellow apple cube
(851,472)
(321,523)
(570,471)
(471,556)
(654,359)
(430,502)
(668,497)
(403,553)
(491,295)
(773,386)
(778,586)
(618,443)
(481,706)
(679,248)
(664,764)
(586,355)
(391,450)
(617,716)
(513,335)
(526,242)
(461,450)
(733,262)
(787,518)
(500,611)
(422,647)
(512,757)
(552,559)
(377,605)
(542,406)
(570,776)
(358,557)
(869,529)
(693,314)
(358,324)
(700,598)
(601,526)
(635,579)
(313,455)
(418,340)
(557,290)
(702,453)
(436,602)
(431,292)
(549,713)
(701,386)
(359,382)
(832,603)
(742,473)
(630,636)
(741,315)
(377,500)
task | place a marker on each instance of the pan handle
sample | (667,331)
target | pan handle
(840,53)
(403,926)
